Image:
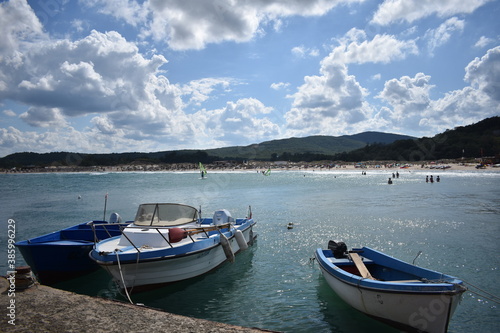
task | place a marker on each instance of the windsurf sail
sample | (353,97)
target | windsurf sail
(203,171)
(268,172)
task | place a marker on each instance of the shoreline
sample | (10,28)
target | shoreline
(260,167)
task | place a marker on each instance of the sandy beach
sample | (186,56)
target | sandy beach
(262,166)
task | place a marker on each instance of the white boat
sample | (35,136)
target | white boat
(169,242)
(402,295)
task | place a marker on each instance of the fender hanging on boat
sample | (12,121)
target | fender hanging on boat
(227,247)
(240,238)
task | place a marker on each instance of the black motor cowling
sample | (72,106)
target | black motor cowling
(339,249)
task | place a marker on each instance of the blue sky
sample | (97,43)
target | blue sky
(98,76)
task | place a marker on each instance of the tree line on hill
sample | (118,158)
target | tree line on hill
(477,140)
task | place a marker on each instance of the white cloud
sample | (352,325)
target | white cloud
(484,73)
(443,33)
(408,98)
(44,117)
(19,25)
(184,26)
(134,106)
(355,48)
(302,51)
(391,11)
(335,102)
(99,73)
(411,108)
(483,42)
(327,103)
(68,139)
(9,113)
(280,85)
(245,121)
(131,11)
(200,90)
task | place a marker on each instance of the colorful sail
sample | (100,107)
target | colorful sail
(268,172)
(203,171)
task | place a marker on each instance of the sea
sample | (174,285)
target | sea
(454,224)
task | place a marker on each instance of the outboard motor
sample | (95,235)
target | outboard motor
(339,249)
(222,217)
(115,218)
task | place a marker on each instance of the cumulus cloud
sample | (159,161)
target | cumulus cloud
(327,103)
(408,98)
(44,117)
(484,73)
(246,119)
(411,107)
(355,48)
(99,73)
(107,76)
(391,11)
(184,26)
(335,102)
(199,91)
(19,25)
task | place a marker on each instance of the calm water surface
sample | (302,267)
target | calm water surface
(274,284)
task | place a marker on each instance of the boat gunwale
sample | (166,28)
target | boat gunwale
(421,287)
(166,257)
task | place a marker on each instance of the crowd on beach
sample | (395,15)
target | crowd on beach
(254,166)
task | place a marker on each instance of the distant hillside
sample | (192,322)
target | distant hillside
(312,145)
(481,139)
(477,140)
(308,148)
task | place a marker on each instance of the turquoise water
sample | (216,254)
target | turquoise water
(274,285)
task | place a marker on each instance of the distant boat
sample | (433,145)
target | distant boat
(203,171)
(402,295)
(267,172)
(64,254)
(170,242)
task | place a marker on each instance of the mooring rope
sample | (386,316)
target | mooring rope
(486,295)
(123,280)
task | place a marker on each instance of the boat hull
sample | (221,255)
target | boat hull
(410,312)
(150,273)
(63,254)
(413,307)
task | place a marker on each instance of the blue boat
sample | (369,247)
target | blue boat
(402,295)
(64,254)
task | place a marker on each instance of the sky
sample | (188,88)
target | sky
(100,76)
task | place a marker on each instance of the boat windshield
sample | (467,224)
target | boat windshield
(165,214)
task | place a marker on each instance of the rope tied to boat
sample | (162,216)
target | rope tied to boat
(121,276)
(482,293)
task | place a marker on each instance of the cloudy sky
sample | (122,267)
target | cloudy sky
(127,75)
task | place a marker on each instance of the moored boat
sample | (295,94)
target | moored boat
(402,295)
(170,242)
(63,254)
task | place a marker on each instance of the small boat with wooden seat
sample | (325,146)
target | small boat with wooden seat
(403,295)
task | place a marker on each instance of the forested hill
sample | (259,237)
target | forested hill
(308,148)
(477,140)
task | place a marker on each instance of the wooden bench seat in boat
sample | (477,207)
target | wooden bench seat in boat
(360,265)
